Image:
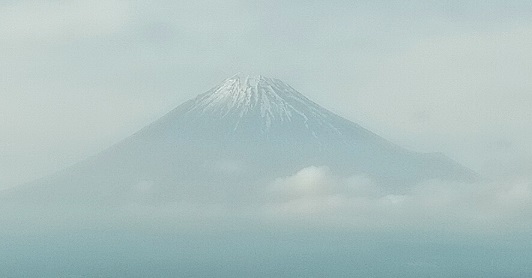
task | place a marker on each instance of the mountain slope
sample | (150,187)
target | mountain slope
(233,140)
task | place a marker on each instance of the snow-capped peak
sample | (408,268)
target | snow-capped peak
(245,96)
(249,80)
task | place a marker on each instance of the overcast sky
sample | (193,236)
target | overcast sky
(436,76)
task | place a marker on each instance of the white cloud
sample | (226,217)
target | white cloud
(315,198)
(318,196)
(307,182)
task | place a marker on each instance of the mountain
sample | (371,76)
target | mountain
(232,140)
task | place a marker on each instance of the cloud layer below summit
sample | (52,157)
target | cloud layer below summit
(448,76)
(316,198)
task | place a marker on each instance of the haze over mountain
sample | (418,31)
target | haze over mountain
(251,179)
(232,140)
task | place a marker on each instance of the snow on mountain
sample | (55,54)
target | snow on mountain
(236,137)
(258,108)
(271,98)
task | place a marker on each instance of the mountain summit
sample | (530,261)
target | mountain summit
(257,108)
(239,136)
(245,99)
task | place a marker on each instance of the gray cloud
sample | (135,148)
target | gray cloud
(31,24)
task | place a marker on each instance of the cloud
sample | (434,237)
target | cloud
(427,77)
(37,138)
(309,181)
(27,22)
(318,196)
(457,92)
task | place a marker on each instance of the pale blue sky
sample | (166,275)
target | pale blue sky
(449,76)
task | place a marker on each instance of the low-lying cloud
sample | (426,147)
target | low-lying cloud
(316,220)
(317,195)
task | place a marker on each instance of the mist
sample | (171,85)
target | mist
(449,77)
(312,223)
(84,193)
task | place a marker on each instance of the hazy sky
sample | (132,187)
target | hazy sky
(450,76)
